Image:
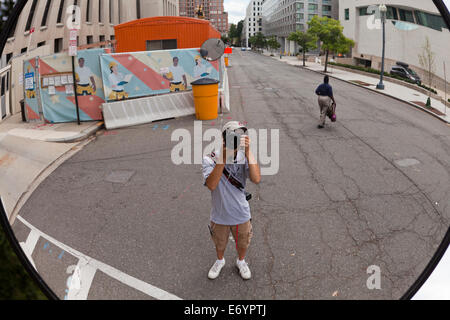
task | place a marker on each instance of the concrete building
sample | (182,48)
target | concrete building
(252,21)
(98,17)
(282,17)
(409,23)
(213,11)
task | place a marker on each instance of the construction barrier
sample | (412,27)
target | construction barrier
(224,91)
(57,86)
(127,113)
(141,74)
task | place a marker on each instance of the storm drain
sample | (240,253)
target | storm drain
(407,162)
(121,176)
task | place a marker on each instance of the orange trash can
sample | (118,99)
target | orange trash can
(206,98)
(226,61)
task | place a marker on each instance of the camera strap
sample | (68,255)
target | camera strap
(232,180)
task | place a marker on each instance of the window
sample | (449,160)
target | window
(110,11)
(363,11)
(41,44)
(100,9)
(430,20)
(392,13)
(312,6)
(326,8)
(88,11)
(23,50)
(31,15)
(60,11)
(153,45)
(58,45)
(138,9)
(89,39)
(347,14)
(406,15)
(46,10)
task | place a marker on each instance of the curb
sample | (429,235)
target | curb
(81,136)
(379,92)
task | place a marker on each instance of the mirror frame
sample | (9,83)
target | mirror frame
(49,292)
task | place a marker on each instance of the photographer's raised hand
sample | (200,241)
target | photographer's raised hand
(254,170)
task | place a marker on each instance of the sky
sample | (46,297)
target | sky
(236,10)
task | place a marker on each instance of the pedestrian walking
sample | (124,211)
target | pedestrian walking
(225,174)
(327,103)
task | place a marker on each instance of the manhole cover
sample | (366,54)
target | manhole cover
(407,162)
(122,176)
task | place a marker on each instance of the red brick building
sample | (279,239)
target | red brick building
(213,11)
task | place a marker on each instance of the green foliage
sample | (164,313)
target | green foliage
(330,33)
(235,32)
(6,7)
(273,44)
(16,284)
(306,40)
(258,41)
(375,71)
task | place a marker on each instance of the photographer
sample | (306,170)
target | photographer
(225,174)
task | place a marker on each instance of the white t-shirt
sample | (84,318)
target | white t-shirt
(84,74)
(178,73)
(199,70)
(229,205)
(114,81)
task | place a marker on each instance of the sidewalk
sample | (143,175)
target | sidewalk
(399,92)
(28,150)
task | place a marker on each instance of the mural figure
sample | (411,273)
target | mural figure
(85,79)
(117,81)
(200,69)
(30,92)
(176,76)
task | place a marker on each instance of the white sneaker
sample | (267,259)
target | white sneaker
(244,270)
(215,269)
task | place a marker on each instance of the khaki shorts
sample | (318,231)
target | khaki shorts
(221,233)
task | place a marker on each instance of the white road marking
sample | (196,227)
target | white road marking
(29,245)
(81,281)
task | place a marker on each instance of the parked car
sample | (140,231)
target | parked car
(243,49)
(404,71)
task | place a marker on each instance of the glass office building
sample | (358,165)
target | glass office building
(282,17)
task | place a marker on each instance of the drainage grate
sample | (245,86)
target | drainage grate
(122,176)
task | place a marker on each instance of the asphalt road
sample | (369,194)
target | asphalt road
(371,189)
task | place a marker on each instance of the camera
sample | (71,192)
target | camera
(232,140)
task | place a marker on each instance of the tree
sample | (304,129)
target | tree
(307,41)
(330,33)
(427,60)
(258,40)
(225,39)
(6,7)
(273,44)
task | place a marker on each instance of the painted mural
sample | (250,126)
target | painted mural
(141,74)
(57,86)
(30,87)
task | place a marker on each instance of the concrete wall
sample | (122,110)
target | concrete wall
(122,11)
(401,45)
(17,70)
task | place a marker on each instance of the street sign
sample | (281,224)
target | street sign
(73,43)
(29,81)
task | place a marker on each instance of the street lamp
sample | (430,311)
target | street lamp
(383,10)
